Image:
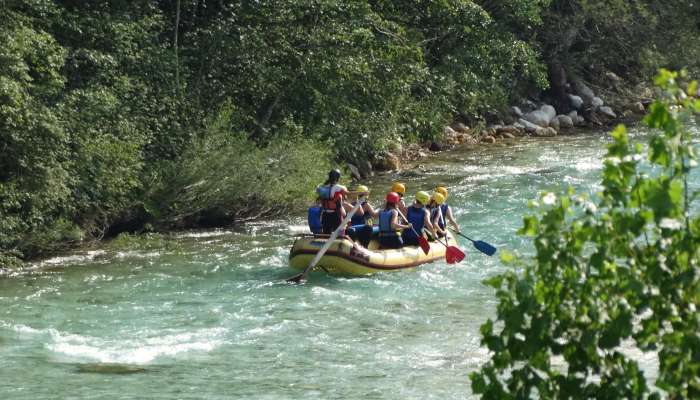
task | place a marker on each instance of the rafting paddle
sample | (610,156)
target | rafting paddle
(453,254)
(300,277)
(480,245)
(422,242)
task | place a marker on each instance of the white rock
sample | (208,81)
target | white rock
(607,111)
(597,102)
(549,110)
(565,121)
(538,117)
(516,111)
(575,101)
(527,125)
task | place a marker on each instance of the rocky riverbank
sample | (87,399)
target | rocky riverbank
(583,109)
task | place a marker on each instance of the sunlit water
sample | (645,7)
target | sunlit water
(208,314)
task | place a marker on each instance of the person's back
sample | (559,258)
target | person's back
(416,215)
(389,238)
(331,195)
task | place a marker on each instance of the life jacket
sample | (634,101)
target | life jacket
(358,219)
(416,217)
(385,223)
(443,208)
(328,201)
(437,211)
(314,219)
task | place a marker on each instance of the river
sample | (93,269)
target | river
(207,314)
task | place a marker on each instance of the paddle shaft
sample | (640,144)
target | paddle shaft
(326,246)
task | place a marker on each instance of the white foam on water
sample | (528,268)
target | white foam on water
(205,234)
(72,259)
(137,254)
(134,350)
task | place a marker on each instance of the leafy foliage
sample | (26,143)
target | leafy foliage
(610,274)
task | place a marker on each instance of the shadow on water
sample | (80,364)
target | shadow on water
(109,369)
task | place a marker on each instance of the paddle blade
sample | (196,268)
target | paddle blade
(423,243)
(298,278)
(454,255)
(484,247)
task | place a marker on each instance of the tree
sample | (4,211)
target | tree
(621,270)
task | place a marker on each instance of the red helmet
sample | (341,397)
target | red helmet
(392,198)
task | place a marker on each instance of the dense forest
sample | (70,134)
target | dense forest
(140,115)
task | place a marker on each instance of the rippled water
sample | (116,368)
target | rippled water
(208,315)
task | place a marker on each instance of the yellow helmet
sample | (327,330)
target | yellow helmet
(398,187)
(362,189)
(442,190)
(423,197)
(438,198)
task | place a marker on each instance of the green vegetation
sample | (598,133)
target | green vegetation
(612,277)
(133,115)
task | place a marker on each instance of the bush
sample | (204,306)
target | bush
(616,272)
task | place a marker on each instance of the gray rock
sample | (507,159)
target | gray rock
(584,91)
(597,102)
(515,110)
(546,132)
(575,101)
(460,127)
(638,108)
(549,110)
(565,121)
(554,123)
(607,111)
(527,125)
(528,105)
(539,118)
(367,171)
(449,131)
(355,172)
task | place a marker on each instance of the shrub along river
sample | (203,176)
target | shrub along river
(208,314)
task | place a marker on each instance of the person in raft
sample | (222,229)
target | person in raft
(389,225)
(331,195)
(361,222)
(447,215)
(436,201)
(400,189)
(419,217)
(314,217)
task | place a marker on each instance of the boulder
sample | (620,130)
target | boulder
(355,172)
(575,118)
(449,131)
(508,135)
(539,118)
(597,102)
(549,110)
(528,105)
(435,146)
(389,162)
(460,127)
(613,77)
(510,129)
(546,132)
(565,121)
(576,102)
(515,110)
(554,123)
(607,111)
(528,126)
(638,108)
(367,170)
(488,139)
(584,91)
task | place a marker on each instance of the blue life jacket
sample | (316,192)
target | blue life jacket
(443,207)
(314,219)
(416,217)
(358,219)
(385,223)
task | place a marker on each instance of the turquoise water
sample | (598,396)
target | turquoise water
(208,314)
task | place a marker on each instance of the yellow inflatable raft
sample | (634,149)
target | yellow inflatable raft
(346,257)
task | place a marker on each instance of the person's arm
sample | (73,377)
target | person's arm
(370,211)
(427,224)
(395,221)
(402,207)
(436,222)
(451,219)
